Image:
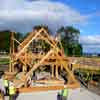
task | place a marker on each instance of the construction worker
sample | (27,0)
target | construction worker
(65,94)
(59,95)
(6,85)
(12,91)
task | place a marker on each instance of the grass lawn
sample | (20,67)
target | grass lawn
(4,61)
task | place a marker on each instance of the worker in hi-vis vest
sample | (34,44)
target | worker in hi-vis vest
(65,94)
(6,85)
(12,91)
(59,95)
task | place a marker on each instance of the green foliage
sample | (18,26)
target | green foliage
(70,40)
(4,61)
(18,36)
(5,40)
(78,50)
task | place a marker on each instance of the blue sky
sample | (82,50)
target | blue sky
(90,33)
(22,15)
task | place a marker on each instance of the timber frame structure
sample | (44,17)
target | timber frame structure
(31,55)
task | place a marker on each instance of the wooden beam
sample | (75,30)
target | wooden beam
(52,71)
(45,88)
(57,72)
(28,43)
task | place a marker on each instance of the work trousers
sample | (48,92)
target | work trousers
(14,96)
(6,91)
(59,97)
(64,98)
(11,97)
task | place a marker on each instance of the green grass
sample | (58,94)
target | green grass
(4,61)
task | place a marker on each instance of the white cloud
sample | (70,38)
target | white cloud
(91,43)
(91,48)
(90,39)
(21,15)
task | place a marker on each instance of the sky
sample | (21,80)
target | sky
(22,15)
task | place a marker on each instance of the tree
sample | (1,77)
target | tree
(5,40)
(19,36)
(69,39)
(77,51)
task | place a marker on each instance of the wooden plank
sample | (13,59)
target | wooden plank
(45,88)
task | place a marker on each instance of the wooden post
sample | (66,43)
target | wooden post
(13,48)
(56,71)
(61,67)
(52,71)
(25,57)
(11,65)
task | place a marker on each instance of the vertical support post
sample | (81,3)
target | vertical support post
(56,71)
(69,79)
(13,51)
(25,57)
(52,71)
(61,67)
(11,65)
